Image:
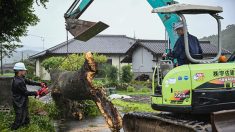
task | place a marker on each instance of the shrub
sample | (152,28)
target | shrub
(52,63)
(9,71)
(30,66)
(145,90)
(98,83)
(38,123)
(71,63)
(141,84)
(127,75)
(35,78)
(112,75)
(122,86)
(130,89)
(50,107)
(90,109)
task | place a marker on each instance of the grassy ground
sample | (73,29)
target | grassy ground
(132,106)
(38,123)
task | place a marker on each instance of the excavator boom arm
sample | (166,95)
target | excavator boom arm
(168,20)
(91,29)
(77,8)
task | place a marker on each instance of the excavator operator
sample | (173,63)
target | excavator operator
(179,48)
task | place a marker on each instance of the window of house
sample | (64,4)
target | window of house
(109,61)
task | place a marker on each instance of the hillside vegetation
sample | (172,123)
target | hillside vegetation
(227,36)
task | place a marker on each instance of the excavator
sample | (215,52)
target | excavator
(192,97)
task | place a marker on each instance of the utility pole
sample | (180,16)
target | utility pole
(1,59)
(22,56)
(42,39)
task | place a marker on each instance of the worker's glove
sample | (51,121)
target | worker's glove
(164,56)
(42,84)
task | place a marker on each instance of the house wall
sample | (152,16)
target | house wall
(37,72)
(116,61)
(142,62)
(40,71)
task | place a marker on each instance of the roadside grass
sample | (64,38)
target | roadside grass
(132,106)
(38,123)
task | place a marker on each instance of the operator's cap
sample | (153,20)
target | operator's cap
(19,66)
(178,25)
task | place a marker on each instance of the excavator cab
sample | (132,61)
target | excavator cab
(204,87)
(80,29)
(195,88)
(165,66)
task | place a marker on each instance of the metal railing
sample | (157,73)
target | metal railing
(186,42)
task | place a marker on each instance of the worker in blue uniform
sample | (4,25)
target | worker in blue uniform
(179,48)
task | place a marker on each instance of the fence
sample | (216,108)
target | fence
(5,94)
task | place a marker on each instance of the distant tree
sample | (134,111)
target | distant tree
(112,75)
(71,63)
(8,49)
(227,38)
(30,66)
(52,63)
(16,16)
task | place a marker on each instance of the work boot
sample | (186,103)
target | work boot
(14,127)
(25,124)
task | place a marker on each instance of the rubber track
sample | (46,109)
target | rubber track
(165,122)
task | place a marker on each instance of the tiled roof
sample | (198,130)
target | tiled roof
(103,44)
(158,46)
(116,44)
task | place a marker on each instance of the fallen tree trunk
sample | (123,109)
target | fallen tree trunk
(75,86)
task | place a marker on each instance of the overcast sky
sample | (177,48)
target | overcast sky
(125,17)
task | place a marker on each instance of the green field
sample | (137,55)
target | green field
(7,75)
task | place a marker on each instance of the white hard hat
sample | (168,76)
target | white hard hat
(178,25)
(20,66)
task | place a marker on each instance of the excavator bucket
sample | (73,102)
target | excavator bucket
(84,30)
(223,121)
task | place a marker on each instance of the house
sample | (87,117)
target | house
(145,54)
(112,46)
(120,50)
